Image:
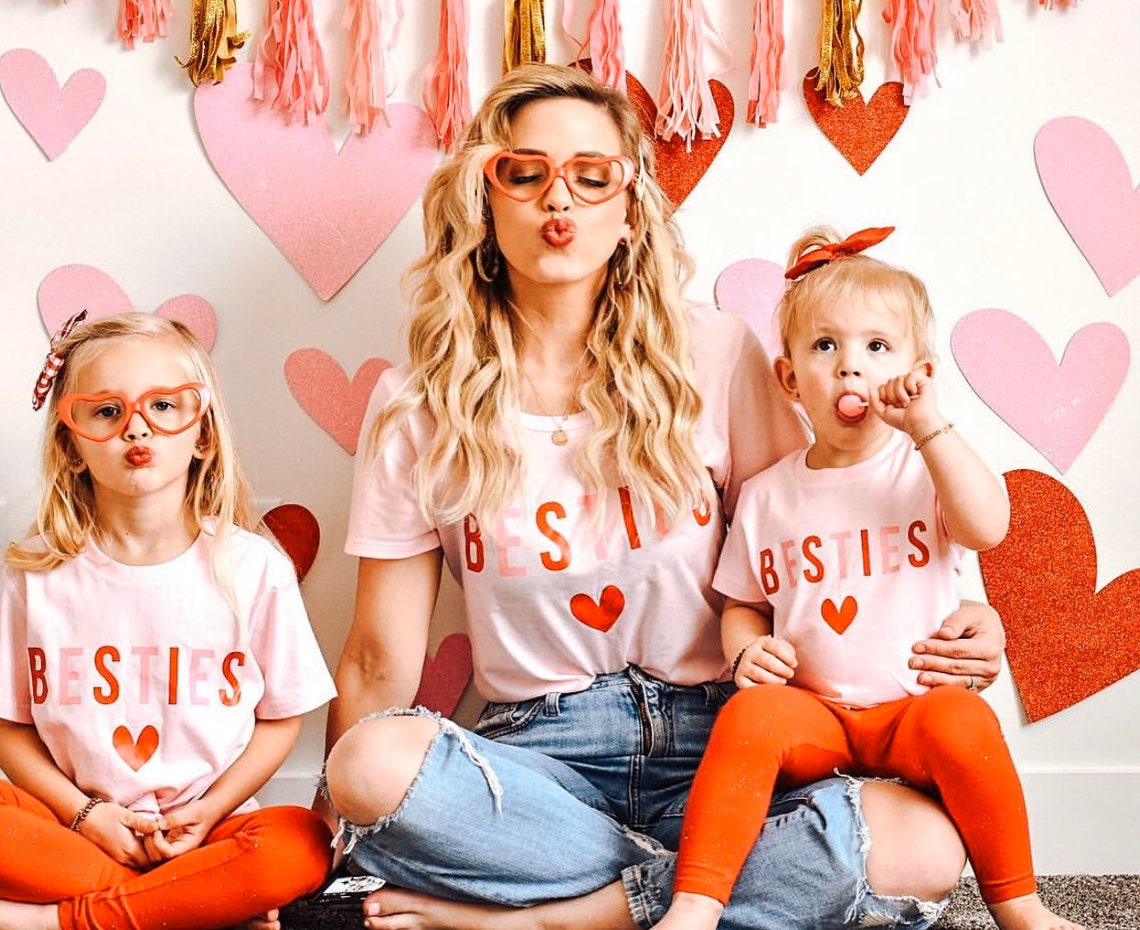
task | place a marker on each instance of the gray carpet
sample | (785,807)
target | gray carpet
(1098,902)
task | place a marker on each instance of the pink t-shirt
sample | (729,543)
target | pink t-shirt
(138,679)
(550,602)
(856,564)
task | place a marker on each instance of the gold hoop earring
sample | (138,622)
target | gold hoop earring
(622,276)
(487,245)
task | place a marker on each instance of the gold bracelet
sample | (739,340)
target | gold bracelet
(929,436)
(86,809)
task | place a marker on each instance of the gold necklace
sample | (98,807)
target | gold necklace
(558,437)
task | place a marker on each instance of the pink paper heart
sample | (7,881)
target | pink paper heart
(325,393)
(1056,408)
(445,677)
(71,288)
(327,212)
(750,289)
(51,114)
(1088,183)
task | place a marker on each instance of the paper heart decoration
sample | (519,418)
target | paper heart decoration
(1056,408)
(860,130)
(1088,183)
(1065,640)
(325,393)
(326,211)
(51,114)
(601,614)
(71,288)
(136,753)
(750,289)
(678,170)
(298,532)
(445,677)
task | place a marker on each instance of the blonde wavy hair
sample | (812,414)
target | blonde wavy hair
(463,337)
(217,497)
(852,278)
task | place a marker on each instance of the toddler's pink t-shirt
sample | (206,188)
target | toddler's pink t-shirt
(856,564)
(550,603)
(138,678)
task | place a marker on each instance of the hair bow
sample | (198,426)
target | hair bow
(852,245)
(54,361)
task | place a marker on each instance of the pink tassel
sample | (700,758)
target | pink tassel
(289,72)
(767,55)
(603,43)
(912,43)
(1049,4)
(685,106)
(367,81)
(447,97)
(143,19)
(974,18)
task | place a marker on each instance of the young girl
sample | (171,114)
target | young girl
(155,659)
(838,559)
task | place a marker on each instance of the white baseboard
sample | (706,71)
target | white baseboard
(1082,822)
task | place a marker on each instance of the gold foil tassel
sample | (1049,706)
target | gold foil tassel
(213,40)
(840,51)
(524,33)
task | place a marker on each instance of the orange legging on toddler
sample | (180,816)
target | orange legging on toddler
(248,864)
(946,741)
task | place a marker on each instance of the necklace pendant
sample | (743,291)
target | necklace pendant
(559,437)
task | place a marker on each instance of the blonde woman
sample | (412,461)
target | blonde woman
(570,435)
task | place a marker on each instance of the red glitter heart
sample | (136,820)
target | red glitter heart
(861,131)
(445,677)
(298,532)
(1065,640)
(602,614)
(839,618)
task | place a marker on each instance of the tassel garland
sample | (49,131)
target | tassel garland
(840,51)
(603,44)
(685,106)
(289,72)
(214,38)
(974,18)
(1049,4)
(767,54)
(447,97)
(372,33)
(912,43)
(524,33)
(142,19)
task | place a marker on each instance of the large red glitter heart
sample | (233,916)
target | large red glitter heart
(859,130)
(445,677)
(298,532)
(1065,640)
(678,170)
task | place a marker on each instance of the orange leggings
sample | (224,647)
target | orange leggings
(249,864)
(946,741)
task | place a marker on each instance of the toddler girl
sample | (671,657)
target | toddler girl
(837,560)
(155,658)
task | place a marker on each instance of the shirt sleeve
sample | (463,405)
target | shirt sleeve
(385,519)
(15,695)
(735,575)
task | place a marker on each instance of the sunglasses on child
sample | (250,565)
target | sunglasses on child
(527,177)
(167,410)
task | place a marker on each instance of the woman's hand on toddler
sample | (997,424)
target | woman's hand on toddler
(765,661)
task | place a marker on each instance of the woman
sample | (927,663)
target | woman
(570,436)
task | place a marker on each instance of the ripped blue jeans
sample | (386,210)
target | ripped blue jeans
(561,795)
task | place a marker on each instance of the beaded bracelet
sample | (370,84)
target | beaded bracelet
(929,436)
(86,809)
(736,661)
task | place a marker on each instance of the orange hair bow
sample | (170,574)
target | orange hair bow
(852,245)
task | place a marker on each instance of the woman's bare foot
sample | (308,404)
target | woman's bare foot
(1028,913)
(15,915)
(691,912)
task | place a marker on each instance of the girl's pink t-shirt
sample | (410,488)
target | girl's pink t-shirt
(553,600)
(139,680)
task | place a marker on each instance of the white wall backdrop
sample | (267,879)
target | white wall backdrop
(135,196)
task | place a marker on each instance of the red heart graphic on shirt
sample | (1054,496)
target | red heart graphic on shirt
(861,131)
(839,618)
(136,753)
(599,615)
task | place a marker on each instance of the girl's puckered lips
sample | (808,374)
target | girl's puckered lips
(559,231)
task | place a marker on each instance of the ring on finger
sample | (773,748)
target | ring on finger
(972,685)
